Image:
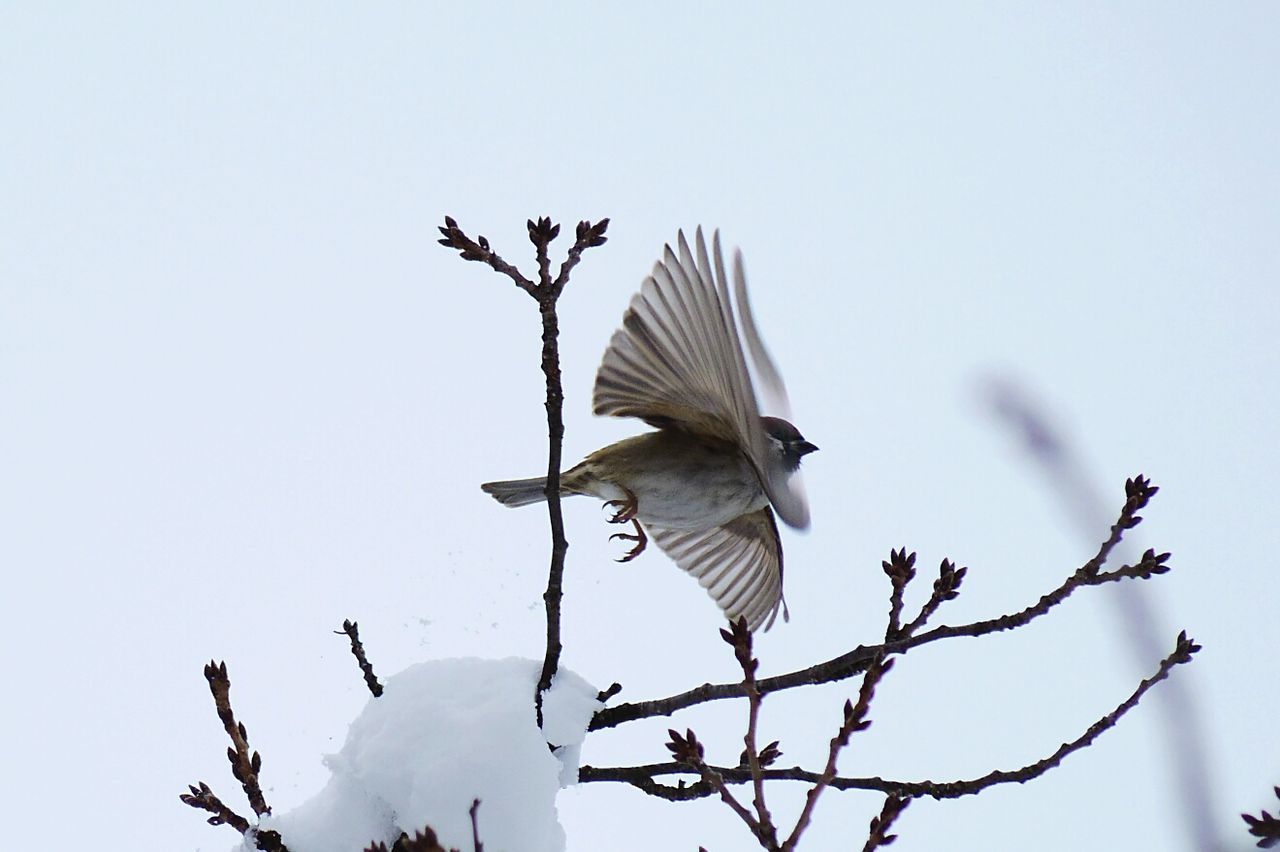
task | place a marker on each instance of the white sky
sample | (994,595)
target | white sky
(244,395)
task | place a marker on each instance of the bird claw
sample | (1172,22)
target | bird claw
(639,538)
(627,509)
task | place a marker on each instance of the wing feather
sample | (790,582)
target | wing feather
(739,564)
(678,361)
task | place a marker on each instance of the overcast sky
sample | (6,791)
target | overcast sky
(244,395)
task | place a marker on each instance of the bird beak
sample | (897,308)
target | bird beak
(804,448)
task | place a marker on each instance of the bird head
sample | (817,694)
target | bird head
(786,442)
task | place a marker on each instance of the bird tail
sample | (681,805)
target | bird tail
(518,492)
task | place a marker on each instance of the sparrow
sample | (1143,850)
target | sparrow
(709,482)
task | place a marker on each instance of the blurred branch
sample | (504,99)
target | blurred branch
(476,845)
(352,630)
(1136,613)
(643,777)
(546,292)
(1138,491)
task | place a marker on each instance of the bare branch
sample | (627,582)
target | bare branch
(552,597)
(588,236)
(945,588)
(855,719)
(642,776)
(478,250)
(476,845)
(541,233)
(244,765)
(688,752)
(352,630)
(878,834)
(739,636)
(900,568)
(202,798)
(1138,491)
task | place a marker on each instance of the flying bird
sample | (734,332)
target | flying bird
(707,484)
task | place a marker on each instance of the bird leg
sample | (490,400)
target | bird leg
(639,538)
(626,513)
(627,508)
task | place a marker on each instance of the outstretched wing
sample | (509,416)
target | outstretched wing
(677,361)
(739,564)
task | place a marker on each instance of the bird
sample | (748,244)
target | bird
(708,484)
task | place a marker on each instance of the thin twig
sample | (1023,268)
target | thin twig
(642,776)
(689,753)
(202,798)
(478,250)
(1138,491)
(945,588)
(244,766)
(900,568)
(739,636)
(855,719)
(878,835)
(476,845)
(352,630)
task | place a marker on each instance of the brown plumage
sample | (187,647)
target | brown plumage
(705,486)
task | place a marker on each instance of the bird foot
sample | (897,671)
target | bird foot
(639,538)
(627,508)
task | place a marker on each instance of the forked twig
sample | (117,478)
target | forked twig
(546,292)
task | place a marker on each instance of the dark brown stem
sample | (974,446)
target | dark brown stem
(900,569)
(739,636)
(244,766)
(945,588)
(478,250)
(688,753)
(855,719)
(559,544)
(643,776)
(546,291)
(879,835)
(352,630)
(202,798)
(1264,826)
(476,845)
(605,694)
(1138,491)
